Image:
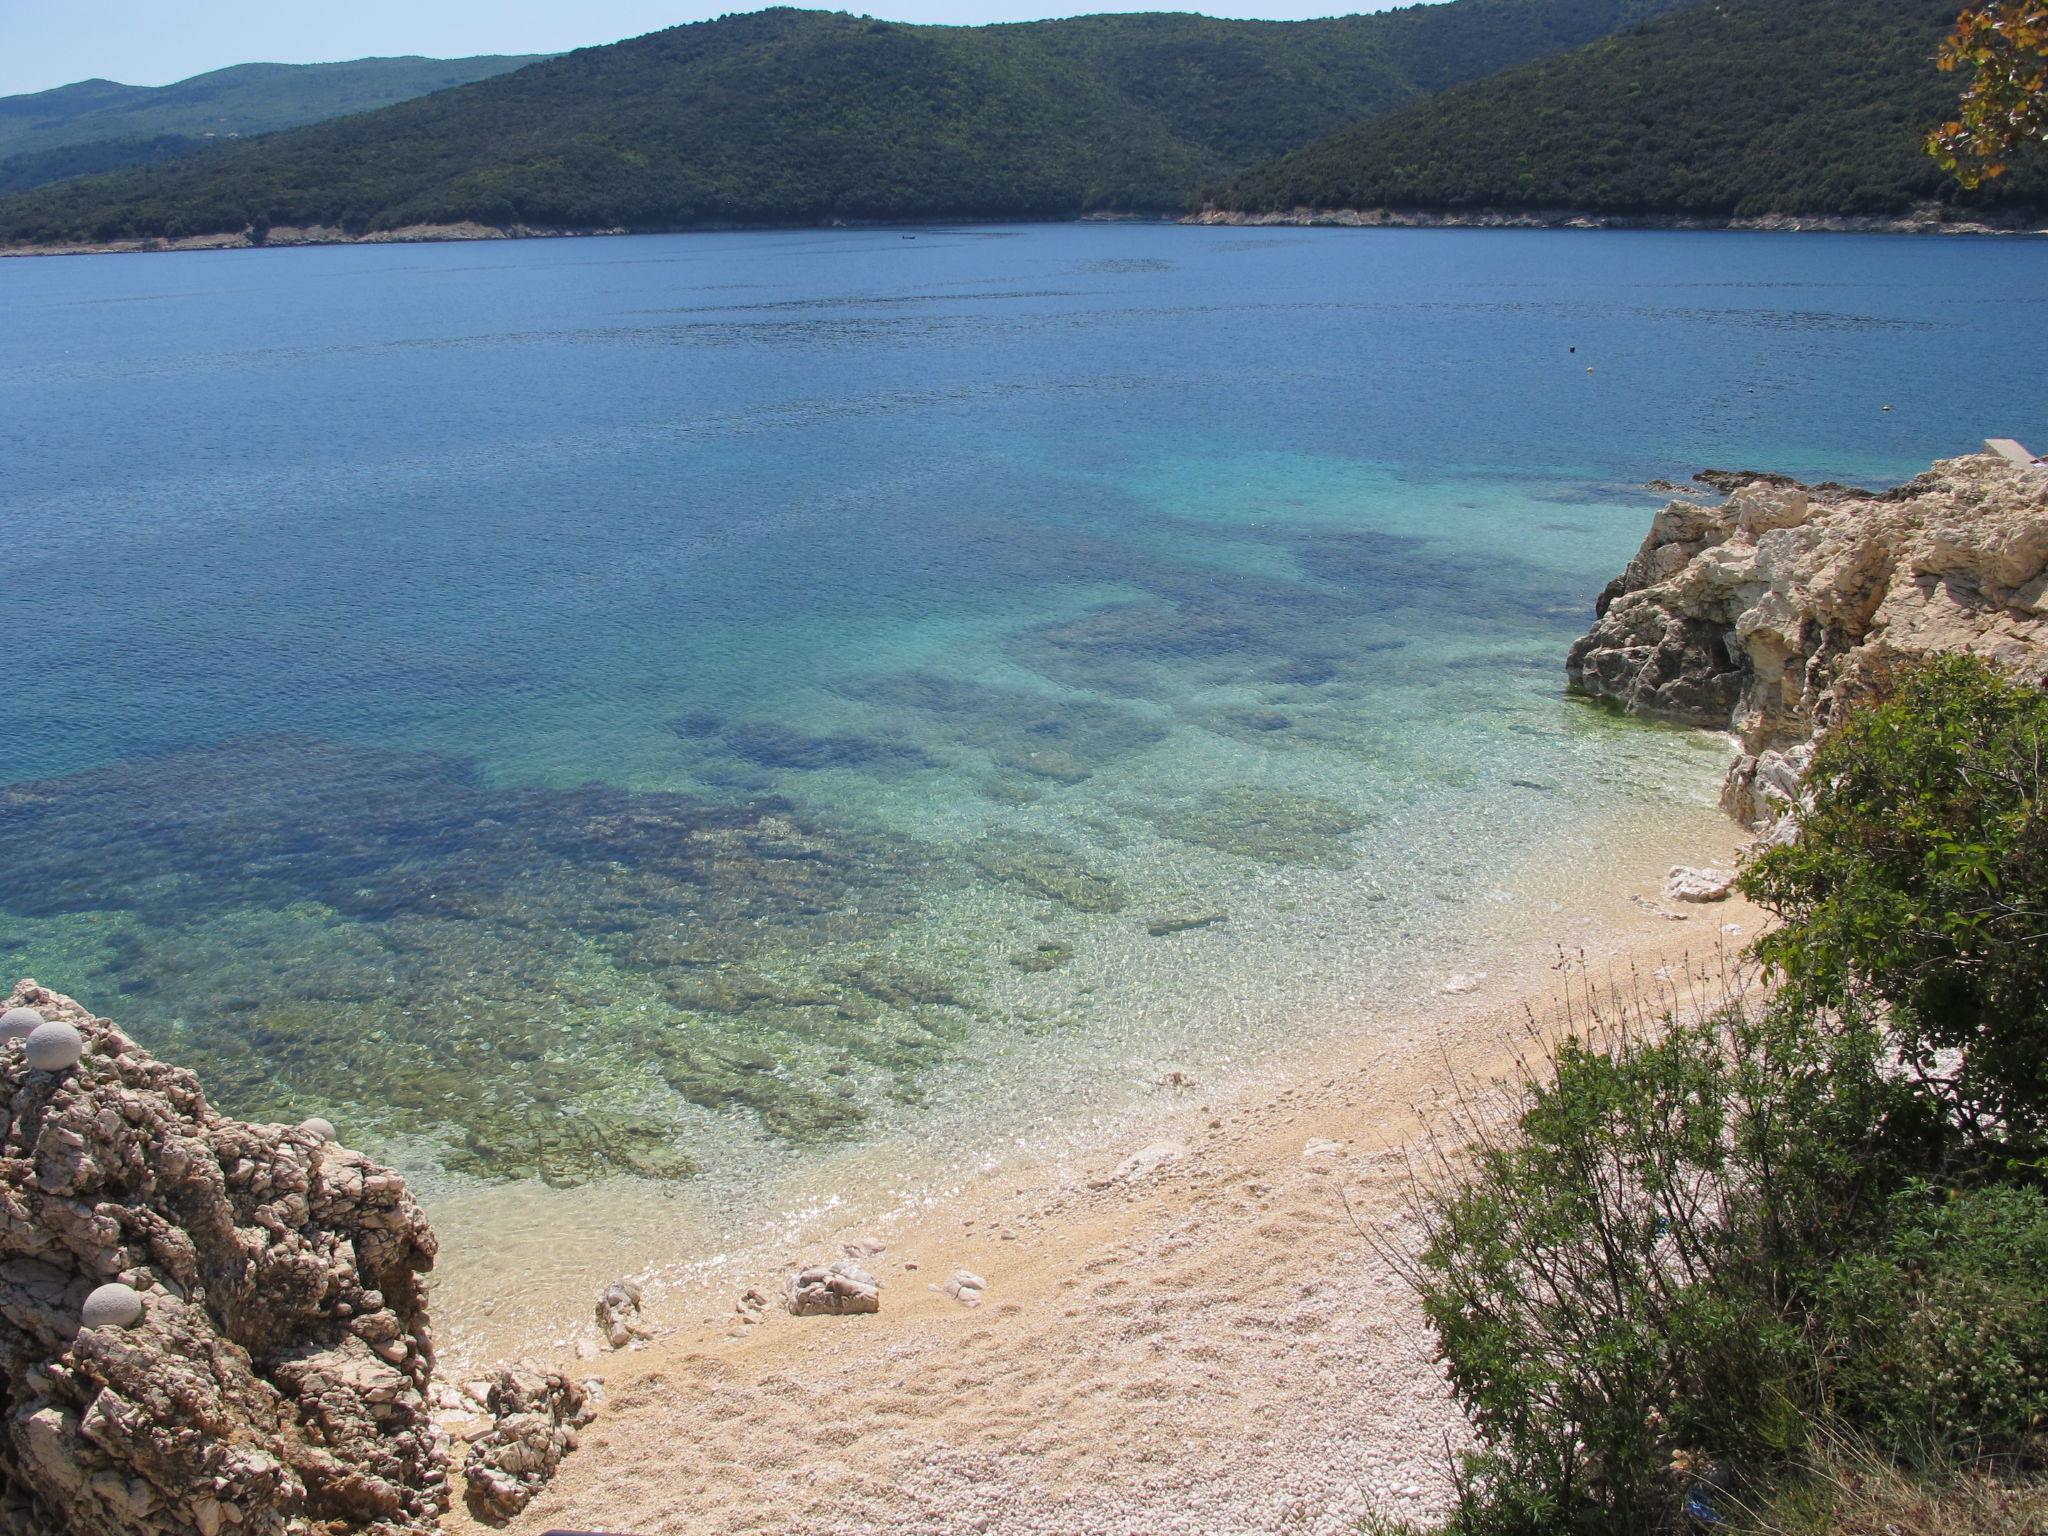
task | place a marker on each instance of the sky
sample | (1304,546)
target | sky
(153,42)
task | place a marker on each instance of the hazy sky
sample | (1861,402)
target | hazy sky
(152,42)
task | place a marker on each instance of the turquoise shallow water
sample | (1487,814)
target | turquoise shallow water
(655,706)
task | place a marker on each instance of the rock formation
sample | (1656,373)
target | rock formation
(537,1412)
(1769,614)
(274,1381)
(618,1314)
(837,1289)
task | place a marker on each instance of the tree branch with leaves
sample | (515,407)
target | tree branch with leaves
(2005,44)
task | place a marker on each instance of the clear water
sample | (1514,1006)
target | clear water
(676,705)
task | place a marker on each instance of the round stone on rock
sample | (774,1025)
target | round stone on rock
(324,1129)
(112,1306)
(19,1024)
(55,1046)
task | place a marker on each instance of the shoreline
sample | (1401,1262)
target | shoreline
(1142,1287)
(298,236)
(1056,1100)
(1916,223)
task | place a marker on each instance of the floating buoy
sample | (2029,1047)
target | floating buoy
(19,1024)
(1887,407)
(1589,370)
(112,1306)
(54,1047)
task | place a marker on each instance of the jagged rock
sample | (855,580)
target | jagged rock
(1769,614)
(1698,885)
(618,1314)
(274,1381)
(536,1414)
(833,1290)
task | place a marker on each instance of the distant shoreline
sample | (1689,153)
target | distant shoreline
(1918,223)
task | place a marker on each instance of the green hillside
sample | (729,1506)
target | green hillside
(788,116)
(96,124)
(1736,108)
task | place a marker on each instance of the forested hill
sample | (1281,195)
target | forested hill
(787,116)
(95,124)
(1737,108)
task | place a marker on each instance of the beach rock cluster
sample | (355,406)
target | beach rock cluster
(535,1414)
(1769,614)
(205,1325)
(837,1289)
(618,1314)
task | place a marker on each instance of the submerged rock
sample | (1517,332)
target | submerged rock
(1770,614)
(1274,826)
(208,1325)
(516,973)
(1185,922)
(1047,956)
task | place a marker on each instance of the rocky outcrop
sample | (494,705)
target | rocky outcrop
(1769,614)
(275,1378)
(536,1413)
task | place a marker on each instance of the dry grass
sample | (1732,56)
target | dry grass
(1851,1490)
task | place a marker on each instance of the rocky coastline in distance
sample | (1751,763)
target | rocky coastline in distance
(1930,220)
(266,1363)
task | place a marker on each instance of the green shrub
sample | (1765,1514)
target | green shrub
(1940,1337)
(1917,894)
(1617,1282)
(1701,1244)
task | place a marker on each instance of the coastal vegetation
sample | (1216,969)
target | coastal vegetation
(1739,109)
(96,125)
(1779,1262)
(787,116)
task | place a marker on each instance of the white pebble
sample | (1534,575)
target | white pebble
(112,1306)
(54,1047)
(19,1024)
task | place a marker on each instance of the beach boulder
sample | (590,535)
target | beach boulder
(535,1414)
(833,1290)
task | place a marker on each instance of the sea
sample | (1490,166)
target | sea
(626,727)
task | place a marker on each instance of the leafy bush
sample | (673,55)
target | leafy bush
(1617,1282)
(1939,1339)
(1704,1243)
(1917,893)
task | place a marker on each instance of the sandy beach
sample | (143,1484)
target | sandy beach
(1186,1330)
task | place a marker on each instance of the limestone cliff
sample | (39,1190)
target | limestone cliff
(271,1381)
(1768,614)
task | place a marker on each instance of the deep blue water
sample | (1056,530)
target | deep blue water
(586,705)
